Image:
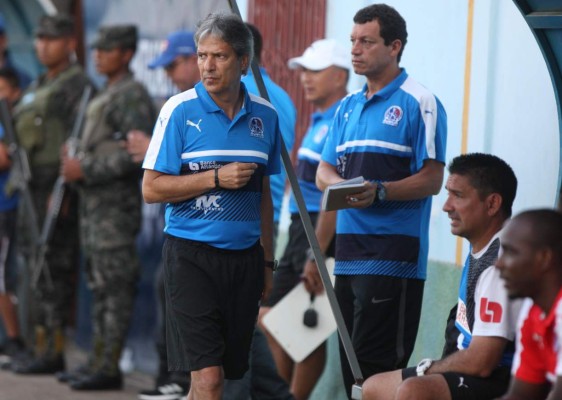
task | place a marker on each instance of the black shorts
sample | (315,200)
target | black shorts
(289,271)
(8,259)
(469,387)
(382,314)
(212,299)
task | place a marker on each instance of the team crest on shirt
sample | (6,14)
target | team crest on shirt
(256,127)
(392,116)
(321,133)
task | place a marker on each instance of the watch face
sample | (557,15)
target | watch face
(423,366)
(381,192)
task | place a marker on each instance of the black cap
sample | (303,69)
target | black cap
(55,26)
(110,37)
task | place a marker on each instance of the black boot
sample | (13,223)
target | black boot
(40,365)
(98,381)
(74,375)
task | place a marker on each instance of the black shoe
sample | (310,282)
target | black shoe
(42,365)
(98,381)
(171,391)
(12,349)
(74,375)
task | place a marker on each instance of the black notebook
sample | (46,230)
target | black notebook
(334,197)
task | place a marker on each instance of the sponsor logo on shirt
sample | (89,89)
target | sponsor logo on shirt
(490,311)
(256,127)
(207,203)
(462,319)
(392,116)
(340,164)
(202,165)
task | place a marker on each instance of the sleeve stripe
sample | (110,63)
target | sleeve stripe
(428,111)
(309,154)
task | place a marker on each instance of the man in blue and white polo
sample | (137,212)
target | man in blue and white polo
(210,158)
(393,133)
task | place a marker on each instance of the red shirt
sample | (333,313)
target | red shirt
(539,356)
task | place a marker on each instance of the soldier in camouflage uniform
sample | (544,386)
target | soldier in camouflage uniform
(43,120)
(110,201)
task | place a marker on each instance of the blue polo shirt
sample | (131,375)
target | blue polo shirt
(308,158)
(386,138)
(192,134)
(287,120)
(7,203)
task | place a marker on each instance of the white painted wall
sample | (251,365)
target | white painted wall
(512,109)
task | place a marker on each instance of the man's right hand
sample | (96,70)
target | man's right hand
(311,278)
(236,175)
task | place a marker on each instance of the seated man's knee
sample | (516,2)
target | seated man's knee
(411,388)
(374,388)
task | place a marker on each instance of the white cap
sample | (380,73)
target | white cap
(321,55)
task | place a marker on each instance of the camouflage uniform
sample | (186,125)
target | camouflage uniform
(43,120)
(110,212)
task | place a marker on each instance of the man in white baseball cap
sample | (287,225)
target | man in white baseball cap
(324,71)
(322,54)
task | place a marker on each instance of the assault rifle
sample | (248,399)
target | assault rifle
(20,174)
(57,195)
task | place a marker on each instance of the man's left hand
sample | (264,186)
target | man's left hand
(364,198)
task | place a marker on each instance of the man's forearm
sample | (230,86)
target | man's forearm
(326,175)
(480,359)
(162,188)
(427,182)
(325,229)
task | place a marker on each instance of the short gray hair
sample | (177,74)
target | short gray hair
(229,28)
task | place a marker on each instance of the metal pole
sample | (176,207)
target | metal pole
(312,240)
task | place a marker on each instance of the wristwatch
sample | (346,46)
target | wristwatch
(272,265)
(423,366)
(380,192)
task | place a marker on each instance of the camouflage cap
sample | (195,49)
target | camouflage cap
(55,26)
(110,37)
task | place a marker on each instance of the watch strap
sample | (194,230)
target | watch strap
(217,181)
(271,265)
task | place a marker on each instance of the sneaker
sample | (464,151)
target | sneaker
(171,391)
